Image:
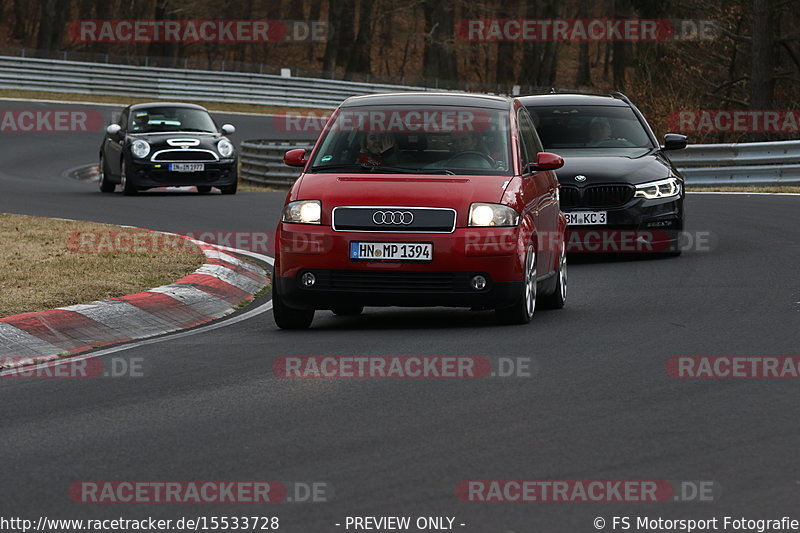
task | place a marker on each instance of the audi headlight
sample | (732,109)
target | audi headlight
(658,189)
(140,148)
(492,215)
(303,212)
(225,148)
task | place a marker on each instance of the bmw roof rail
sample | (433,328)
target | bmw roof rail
(619,96)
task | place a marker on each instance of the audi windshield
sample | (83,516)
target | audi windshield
(419,140)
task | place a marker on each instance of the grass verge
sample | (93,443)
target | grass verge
(122,101)
(38,270)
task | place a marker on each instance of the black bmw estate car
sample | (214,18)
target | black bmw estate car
(619,190)
(167,145)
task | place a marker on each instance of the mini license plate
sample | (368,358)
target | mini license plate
(585,218)
(391,251)
(187,167)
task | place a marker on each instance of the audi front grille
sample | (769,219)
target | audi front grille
(394,219)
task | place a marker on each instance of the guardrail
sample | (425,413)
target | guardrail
(703,165)
(261,162)
(177,84)
(739,164)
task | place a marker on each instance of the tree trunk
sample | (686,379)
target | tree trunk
(761,80)
(360,61)
(439,61)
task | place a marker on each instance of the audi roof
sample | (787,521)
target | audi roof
(430,98)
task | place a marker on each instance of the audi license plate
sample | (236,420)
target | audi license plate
(585,218)
(187,167)
(391,251)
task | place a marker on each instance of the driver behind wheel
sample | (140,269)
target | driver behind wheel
(377,149)
(465,141)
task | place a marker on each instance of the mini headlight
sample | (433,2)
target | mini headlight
(140,148)
(303,212)
(658,189)
(225,148)
(492,215)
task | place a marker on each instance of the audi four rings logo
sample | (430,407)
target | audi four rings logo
(393,217)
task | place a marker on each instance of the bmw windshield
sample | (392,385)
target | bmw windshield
(419,140)
(577,130)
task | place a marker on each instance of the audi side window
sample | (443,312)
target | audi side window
(527,143)
(537,143)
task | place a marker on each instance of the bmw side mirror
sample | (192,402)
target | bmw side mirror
(113,129)
(546,161)
(295,158)
(675,141)
(228,129)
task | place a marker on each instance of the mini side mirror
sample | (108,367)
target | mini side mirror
(228,129)
(113,129)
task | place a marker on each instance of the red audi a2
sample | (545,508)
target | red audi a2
(422,199)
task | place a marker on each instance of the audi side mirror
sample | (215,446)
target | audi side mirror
(295,158)
(546,161)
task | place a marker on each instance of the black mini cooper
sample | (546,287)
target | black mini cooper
(167,145)
(619,190)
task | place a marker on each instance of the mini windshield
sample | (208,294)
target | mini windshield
(157,119)
(414,139)
(587,130)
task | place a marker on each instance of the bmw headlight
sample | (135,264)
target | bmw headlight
(303,212)
(492,215)
(225,148)
(140,148)
(658,189)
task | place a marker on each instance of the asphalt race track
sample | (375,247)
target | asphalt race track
(599,405)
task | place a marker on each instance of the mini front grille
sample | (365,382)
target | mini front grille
(394,219)
(595,195)
(184,155)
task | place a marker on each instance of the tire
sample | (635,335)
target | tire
(128,188)
(105,184)
(348,310)
(230,189)
(522,311)
(558,297)
(286,317)
(204,189)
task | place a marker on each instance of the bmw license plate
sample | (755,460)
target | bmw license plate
(187,167)
(391,251)
(585,218)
